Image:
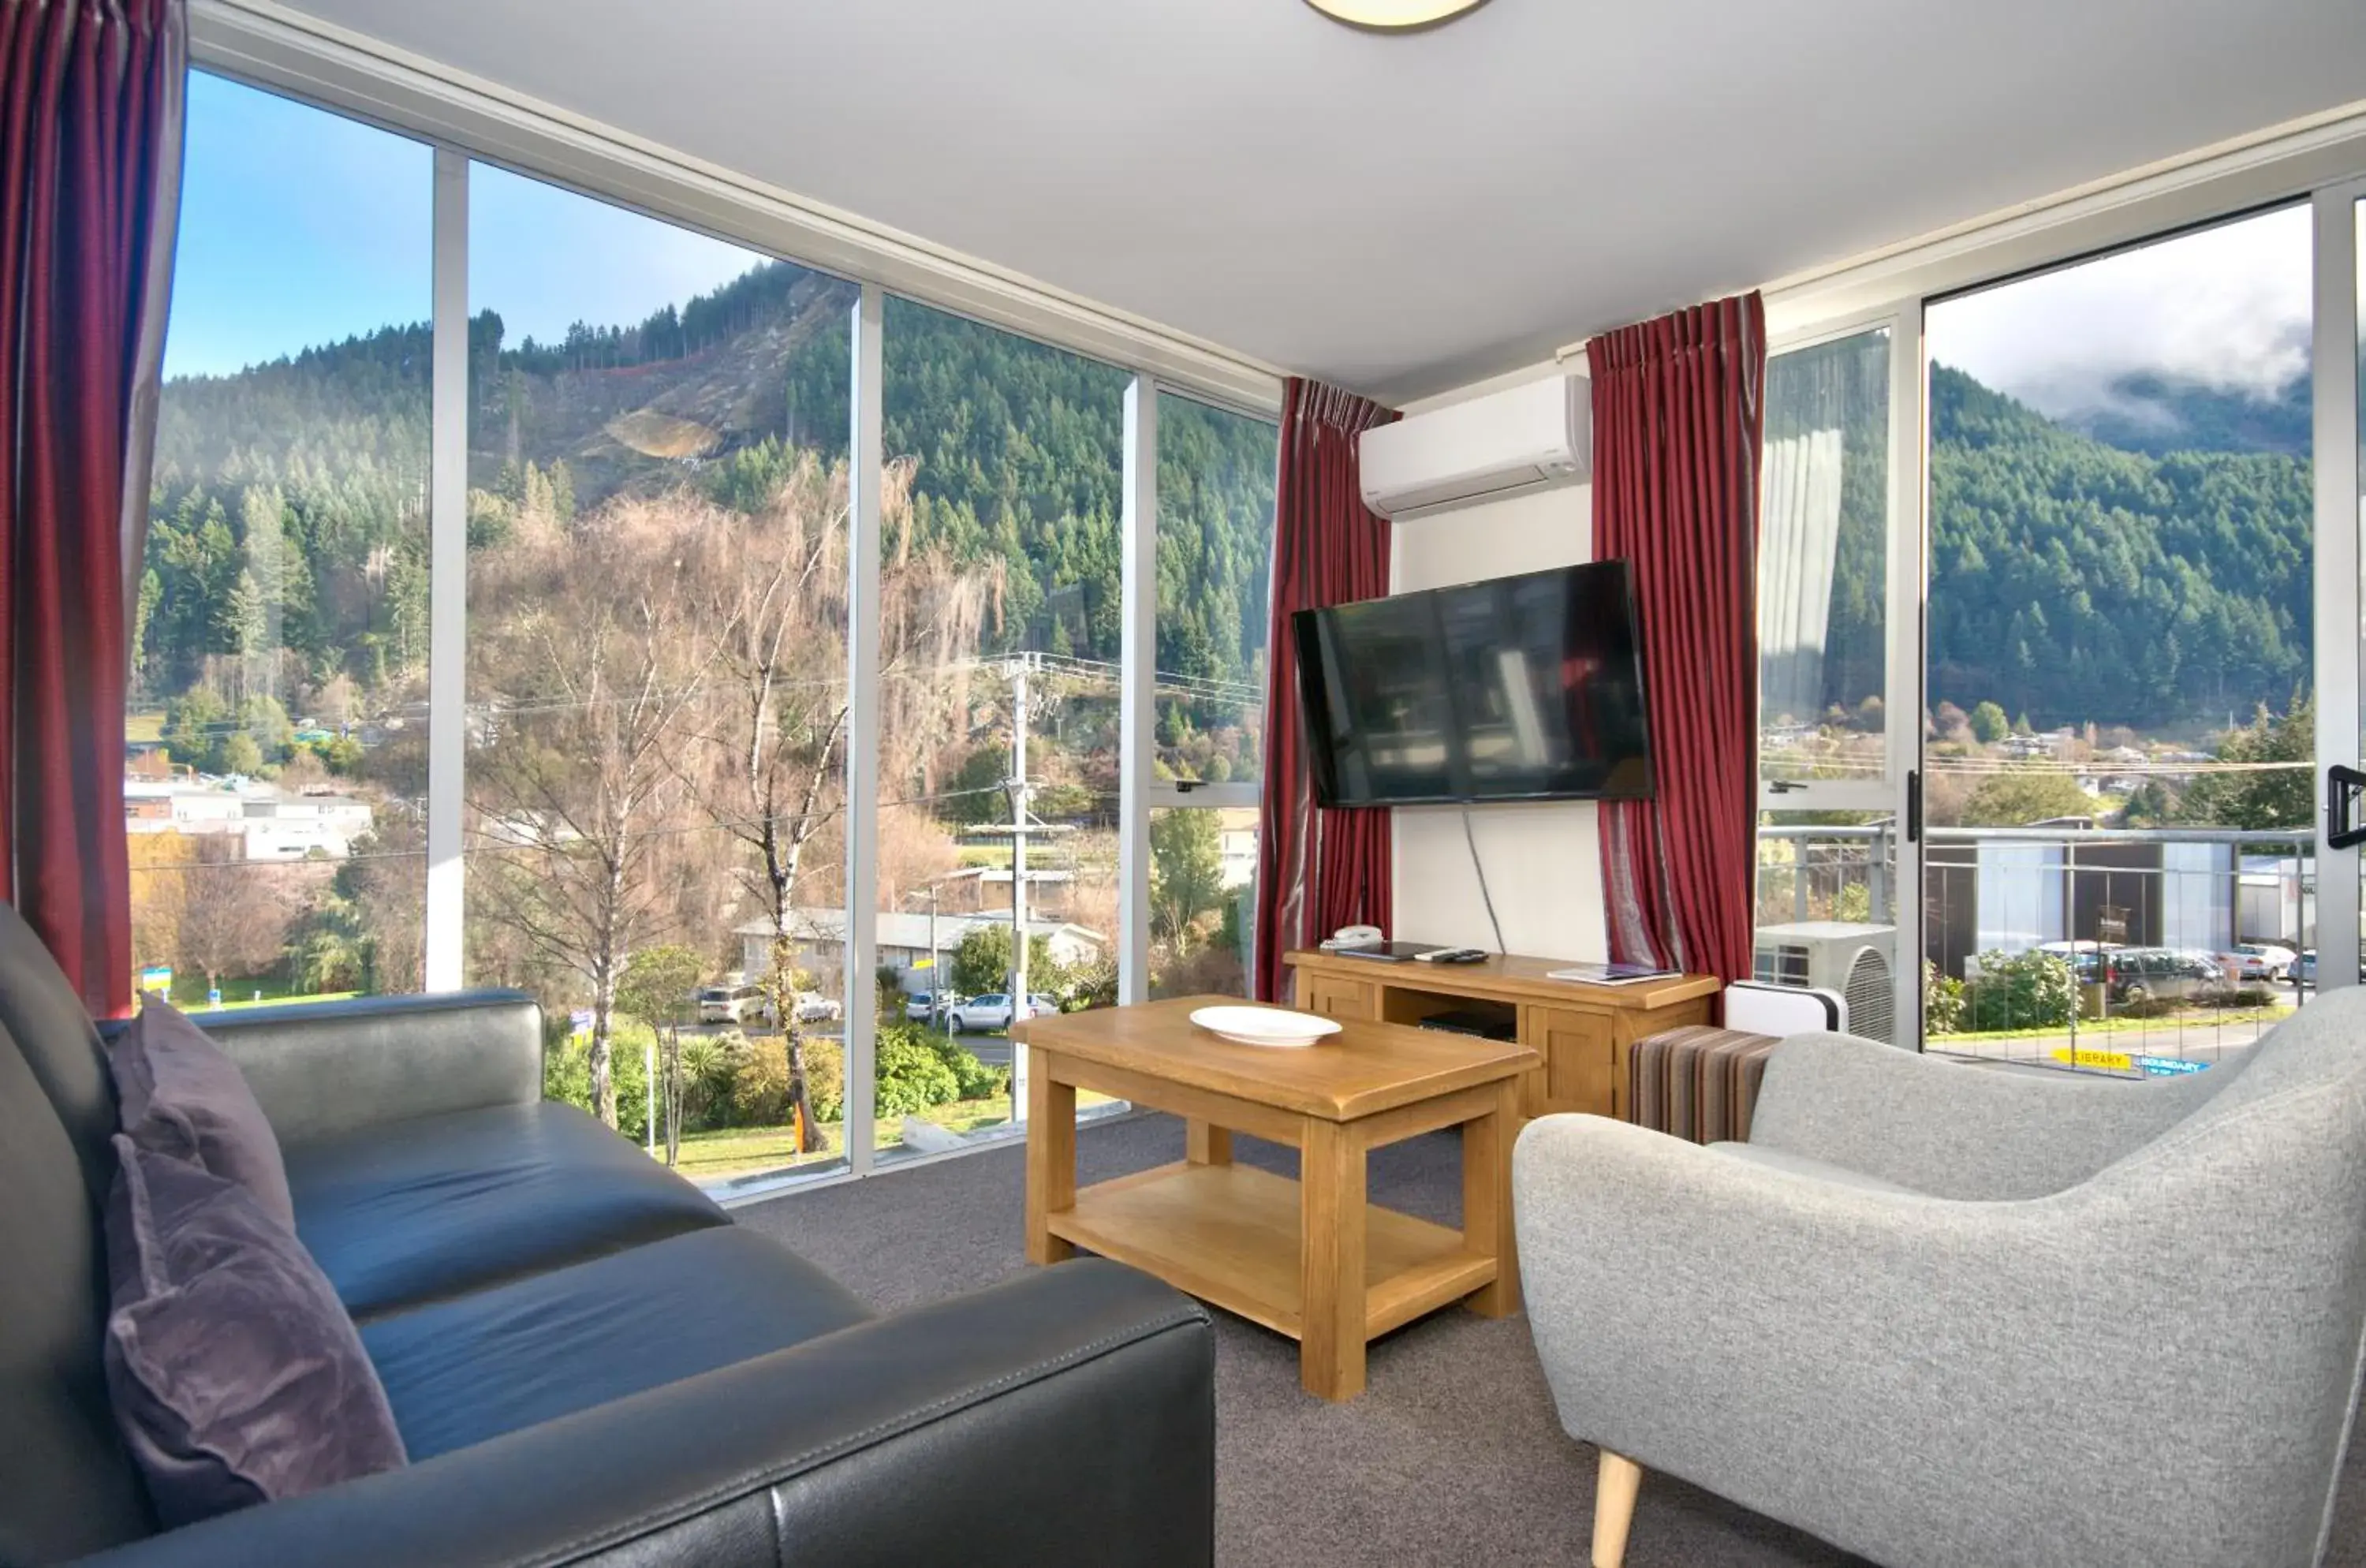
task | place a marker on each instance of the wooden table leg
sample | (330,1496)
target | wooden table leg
(1051,1157)
(1206,1144)
(1331,1220)
(1487,1201)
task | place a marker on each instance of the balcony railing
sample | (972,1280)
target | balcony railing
(2115,950)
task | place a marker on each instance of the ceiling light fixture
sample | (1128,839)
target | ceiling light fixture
(1394,16)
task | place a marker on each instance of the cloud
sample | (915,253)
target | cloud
(2228,307)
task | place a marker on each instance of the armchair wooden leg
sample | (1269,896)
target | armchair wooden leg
(1615,1485)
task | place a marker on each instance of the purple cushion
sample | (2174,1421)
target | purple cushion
(177,1093)
(236,1378)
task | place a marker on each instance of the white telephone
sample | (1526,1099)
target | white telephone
(1355,936)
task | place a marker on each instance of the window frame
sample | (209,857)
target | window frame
(1222,382)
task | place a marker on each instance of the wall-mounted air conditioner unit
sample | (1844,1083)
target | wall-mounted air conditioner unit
(1526,437)
(1855,960)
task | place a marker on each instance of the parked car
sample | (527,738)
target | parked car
(2302,971)
(2262,961)
(992,1010)
(2158,974)
(814,1007)
(730,1004)
(924,1005)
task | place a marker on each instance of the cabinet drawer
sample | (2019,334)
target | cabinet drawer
(1334,998)
(1582,1069)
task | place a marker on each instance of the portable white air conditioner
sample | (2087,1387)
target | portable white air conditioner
(1857,961)
(1524,438)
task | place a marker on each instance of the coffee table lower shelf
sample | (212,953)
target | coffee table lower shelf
(1230,1235)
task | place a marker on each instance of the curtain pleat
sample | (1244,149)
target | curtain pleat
(1317,869)
(1679,425)
(90,99)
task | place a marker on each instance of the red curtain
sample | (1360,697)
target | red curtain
(90,112)
(1678,422)
(1317,869)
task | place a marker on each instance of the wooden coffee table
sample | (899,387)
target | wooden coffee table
(1309,1258)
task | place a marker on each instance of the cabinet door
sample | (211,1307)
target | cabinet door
(1334,998)
(1582,1070)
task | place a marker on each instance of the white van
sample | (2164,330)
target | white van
(729,1004)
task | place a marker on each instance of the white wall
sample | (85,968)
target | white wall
(1543,861)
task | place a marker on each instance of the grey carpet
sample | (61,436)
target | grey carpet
(1451,1455)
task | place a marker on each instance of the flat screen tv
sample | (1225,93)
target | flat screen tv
(1518,688)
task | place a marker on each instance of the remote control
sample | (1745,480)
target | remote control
(1452,956)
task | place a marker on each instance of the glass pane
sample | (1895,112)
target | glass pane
(1216,475)
(1203,912)
(656,670)
(1824,562)
(277,768)
(2122,738)
(1827,914)
(999,585)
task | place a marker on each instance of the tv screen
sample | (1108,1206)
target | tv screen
(1518,688)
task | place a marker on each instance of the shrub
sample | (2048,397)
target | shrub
(567,1072)
(760,1082)
(972,1078)
(1943,1001)
(2023,990)
(911,1076)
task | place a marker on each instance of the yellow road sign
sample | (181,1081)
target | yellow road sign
(2104,1061)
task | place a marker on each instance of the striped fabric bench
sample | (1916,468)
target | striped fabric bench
(1698,1082)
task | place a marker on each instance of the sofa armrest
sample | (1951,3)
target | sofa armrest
(320,1069)
(1958,1129)
(1064,1416)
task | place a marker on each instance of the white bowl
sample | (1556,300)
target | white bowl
(1265,1026)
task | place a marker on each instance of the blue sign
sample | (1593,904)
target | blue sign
(2168,1067)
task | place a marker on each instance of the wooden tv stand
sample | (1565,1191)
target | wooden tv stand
(1581,1031)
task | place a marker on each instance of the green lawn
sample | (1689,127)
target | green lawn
(190,993)
(144,726)
(707,1157)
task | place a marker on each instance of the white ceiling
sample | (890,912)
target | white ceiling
(1401,214)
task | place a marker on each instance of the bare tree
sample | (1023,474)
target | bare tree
(235,913)
(768,768)
(595,653)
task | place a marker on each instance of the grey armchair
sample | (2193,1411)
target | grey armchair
(1940,1313)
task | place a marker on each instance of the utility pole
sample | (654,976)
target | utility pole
(938,994)
(1021,828)
(1019,792)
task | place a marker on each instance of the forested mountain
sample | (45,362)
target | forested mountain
(2160,415)
(2075,581)
(290,503)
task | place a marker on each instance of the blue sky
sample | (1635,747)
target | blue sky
(299,227)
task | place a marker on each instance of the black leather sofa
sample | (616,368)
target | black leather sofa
(588,1361)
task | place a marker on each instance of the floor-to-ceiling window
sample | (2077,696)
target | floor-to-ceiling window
(1000,586)
(1214,560)
(1830,751)
(658,697)
(2121,687)
(618,450)
(276,773)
